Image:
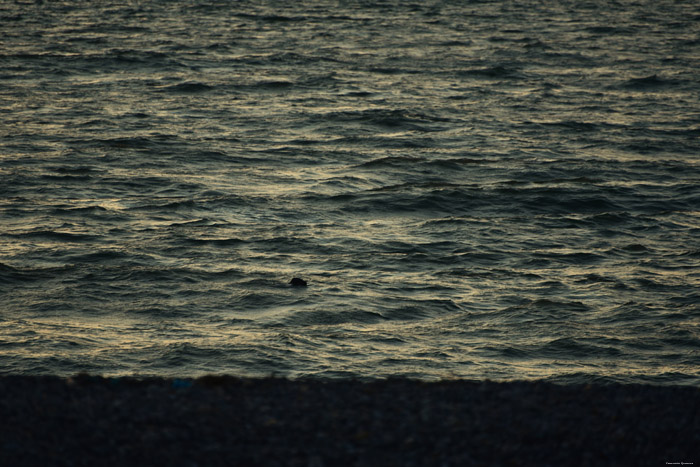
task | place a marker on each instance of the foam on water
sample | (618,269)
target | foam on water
(478,190)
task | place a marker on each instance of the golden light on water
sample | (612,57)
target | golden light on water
(497,192)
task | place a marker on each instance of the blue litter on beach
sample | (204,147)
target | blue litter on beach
(181,383)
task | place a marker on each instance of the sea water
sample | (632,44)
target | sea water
(472,189)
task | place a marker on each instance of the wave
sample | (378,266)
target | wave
(649,83)
(18,275)
(392,161)
(219,242)
(153,141)
(388,118)
(191,87)
(509,72)
(475,191)
(268,18)
(463,200)
(55,235)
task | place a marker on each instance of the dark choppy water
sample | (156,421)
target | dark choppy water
(491,189)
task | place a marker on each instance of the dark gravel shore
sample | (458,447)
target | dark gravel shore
(93,421)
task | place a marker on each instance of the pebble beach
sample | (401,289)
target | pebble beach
(219,420)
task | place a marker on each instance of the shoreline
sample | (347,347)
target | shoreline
(225,420)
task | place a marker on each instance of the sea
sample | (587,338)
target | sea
(472,189)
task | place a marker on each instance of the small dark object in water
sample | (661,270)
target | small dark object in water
(296,282)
